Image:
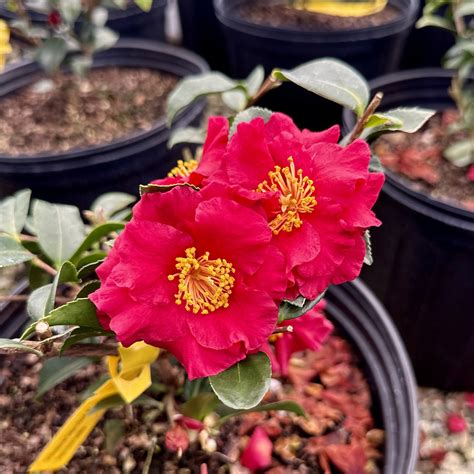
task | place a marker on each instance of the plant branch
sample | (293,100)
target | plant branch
(283,329)
(44,266)
(24,298)
(361,123)
(87,350)
(269,84)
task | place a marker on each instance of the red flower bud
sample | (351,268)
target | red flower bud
(176,439)
(54,18)
(258,452)
(456,423)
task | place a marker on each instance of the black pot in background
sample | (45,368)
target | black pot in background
(202,33)
(79,176)
(365,324)
(424,255)
(13,315)
(426,46)
(131,22)
(373,51)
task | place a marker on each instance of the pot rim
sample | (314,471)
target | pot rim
(226,15)
(167,52)
(394,186)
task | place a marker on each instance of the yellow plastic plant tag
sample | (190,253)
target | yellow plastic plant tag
(130,382)
(5,47)
(343,7)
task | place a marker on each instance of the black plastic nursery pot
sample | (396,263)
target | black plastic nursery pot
(201,32)
(424,254)
(372,51)
(362,320)
(79,176)
(131,22)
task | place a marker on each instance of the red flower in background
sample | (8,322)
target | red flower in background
(321,195)
(456,423)
(54,18)
(258,452)
(470,173)
(194,273)
(310,331)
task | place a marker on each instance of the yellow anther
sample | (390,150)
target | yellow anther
(183,169)
(204,285)
(297,196)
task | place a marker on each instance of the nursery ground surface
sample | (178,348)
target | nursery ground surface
(327,384)
(76,113)
(281,15)
(419,158)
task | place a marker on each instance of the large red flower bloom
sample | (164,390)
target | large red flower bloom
(194,273)
(310,331)
(321,195)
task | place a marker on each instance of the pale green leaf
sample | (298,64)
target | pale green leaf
(12,252)
(17,346)
(187,135)
(14,211)
(59,228)
(460,153)
(110,203)
(38,302)
(248,115)
(331,79)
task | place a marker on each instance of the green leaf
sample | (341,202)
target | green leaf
(375,165)
(243,385)
(200,406)
(55,371)
(80,334)
(460,153)
(294,309)
(192,88)
(276,406)
(108,204)
(14,211)
(89,269)
(95,236)
(38,302)
(103,38)
(69,10)
(435,20)
(187,135)
(59,228)
(368,258)
(92,257)
(66,274)
(12,252)
(80,312)
(237,100)
(248,115)
(51,54)
(14,344)
(88,288)
(255,81)
(331,79)
(466,8)
(80,65)
(145,5)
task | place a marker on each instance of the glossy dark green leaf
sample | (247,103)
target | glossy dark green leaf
(200,406)
(289,310)
(243,385)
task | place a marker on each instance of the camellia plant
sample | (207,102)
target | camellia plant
(74,30)
(221,266)
(457,17)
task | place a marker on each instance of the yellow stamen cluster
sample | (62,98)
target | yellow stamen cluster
(5,47)
(184,169)
(297,196)
(204,285)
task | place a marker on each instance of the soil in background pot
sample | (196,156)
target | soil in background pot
(339,432)
(283,15)
(419,158)
(75,113)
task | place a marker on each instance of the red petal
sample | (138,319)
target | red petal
(258,452)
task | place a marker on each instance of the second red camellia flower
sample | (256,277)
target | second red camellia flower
(322,194)
(194,273)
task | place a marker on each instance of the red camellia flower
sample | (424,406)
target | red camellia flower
(194,273)
(321,195)
(310,331)
(258,452)
(470,173)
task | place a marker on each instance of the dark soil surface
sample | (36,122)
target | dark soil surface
(110,103)
(282,15)
(419,157)
(328,384)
